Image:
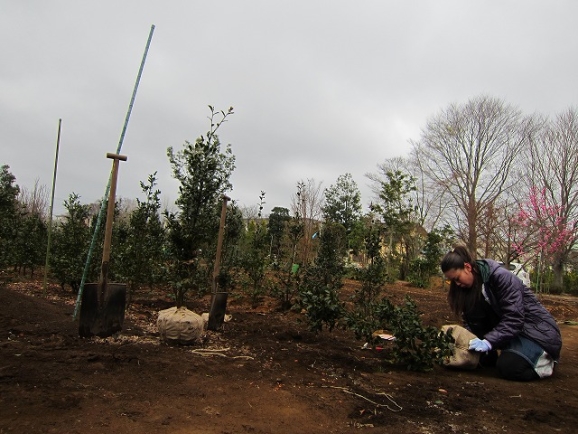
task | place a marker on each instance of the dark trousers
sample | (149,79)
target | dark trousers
(512,366)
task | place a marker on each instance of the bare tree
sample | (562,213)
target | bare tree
(554,172)
(125,207)
(428,200)
(467,152)
(307,204)
(35,201)
(250,212)
(394,164)
(495,230)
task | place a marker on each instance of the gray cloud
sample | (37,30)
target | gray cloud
(320,88)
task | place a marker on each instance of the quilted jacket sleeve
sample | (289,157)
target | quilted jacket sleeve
(506,296)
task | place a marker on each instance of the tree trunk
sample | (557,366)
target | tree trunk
(558,281)
(472,242)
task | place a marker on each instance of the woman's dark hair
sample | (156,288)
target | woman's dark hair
(457,258)
(461,300)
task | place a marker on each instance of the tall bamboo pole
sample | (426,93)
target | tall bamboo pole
(104,203)
(48,244)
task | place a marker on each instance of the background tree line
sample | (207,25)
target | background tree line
(481,172)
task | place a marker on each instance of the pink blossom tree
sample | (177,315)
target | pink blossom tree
(542,230)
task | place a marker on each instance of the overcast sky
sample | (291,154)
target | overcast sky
(319,88)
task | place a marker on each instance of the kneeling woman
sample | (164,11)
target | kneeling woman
(504,315)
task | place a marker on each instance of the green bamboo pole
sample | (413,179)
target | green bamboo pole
(48,244)
(104,202)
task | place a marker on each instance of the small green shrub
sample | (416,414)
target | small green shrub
(319,292)
(362,319)
(419,273)
(571,282)
(417,347)
(322,307)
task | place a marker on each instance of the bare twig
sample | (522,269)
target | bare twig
(387,395)
(218,352)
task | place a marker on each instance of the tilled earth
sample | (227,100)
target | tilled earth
(263,373)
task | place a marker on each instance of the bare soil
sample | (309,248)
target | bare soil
(263,373)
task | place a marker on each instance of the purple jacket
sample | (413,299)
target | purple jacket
(518,310)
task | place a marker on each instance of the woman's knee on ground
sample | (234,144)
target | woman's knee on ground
(514,367)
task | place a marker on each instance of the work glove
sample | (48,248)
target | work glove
(480,345)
